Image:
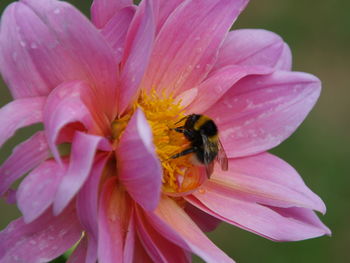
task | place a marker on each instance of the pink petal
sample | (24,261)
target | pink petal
(18,114)
(157,247)
(219,82)
(54,43)
(204,221)
(102,11)
(114,213)
(267,180)
(166,8)
(250,47)
(129,244)
(84,147)
(29,154)
(115,30)
(185,49)
(176,226)
(259,112)
(285,60)
(143,182)
(138,46)
(254,217)
(64,105)
(140,254)
(87,198)
(79,253)
(38,189)
(41,240)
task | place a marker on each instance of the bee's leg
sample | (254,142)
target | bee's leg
(185,152)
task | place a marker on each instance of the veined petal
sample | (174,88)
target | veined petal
(267,180)
(115,30)
(84,147)
(250,47)
(55,42)
(38,189)
(203,220)
(129,244)
(219,82)
(102,11)
(87,198)
(29,154)
(175,225)
(18,114)
(157,247)
(260,219)
(166,7)
(138,47)
(143,182)
(41,240)
(185,49)
(259,112)
(64,105)
(115,210)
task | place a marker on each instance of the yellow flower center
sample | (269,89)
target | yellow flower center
(163,114)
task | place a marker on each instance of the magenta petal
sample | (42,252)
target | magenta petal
(254,217)
(18,114)
(87,198)
(157,247)
(250,47)
(175,225)
(219,82)
(55,42)
(285,60)
(186,47)
(114,213)
(166,7)
(115,30)
(138,47)
(259,112)
(64,105)
(267,180)
(102,11)
(79,253)
(84,147)
(129,244)
(29,154)
(38,189)
(138,164)
(41,240)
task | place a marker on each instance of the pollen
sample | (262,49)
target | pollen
(164,114)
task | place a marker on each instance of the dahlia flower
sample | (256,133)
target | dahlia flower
(113,89)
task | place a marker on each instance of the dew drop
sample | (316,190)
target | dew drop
(15,258)
(57,11)
(32,242)
(33,45)
(22,43)
(201,190)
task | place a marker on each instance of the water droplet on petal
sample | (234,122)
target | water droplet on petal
(32,242)
(22,43)
(33,45)
(57,11)
(201,190)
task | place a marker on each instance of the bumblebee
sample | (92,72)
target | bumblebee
(202,133)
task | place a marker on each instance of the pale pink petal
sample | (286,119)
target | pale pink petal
(84,147)
(205,222)
(113,218)
(259,112)
(79,253)
(129,244)
(102,11)
(250,47)
(29,154)
(219,82)
(185,49)
(41,240)
(38,189)
(64,105)
(166,7)
(138,47)
(59,44)
(87,198)
(267,180)
(143,182)
(175,225)
(157,247)
(285,60)
(260,219)
(115,30)
(18,114)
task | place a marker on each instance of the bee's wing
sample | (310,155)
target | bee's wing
(221,157)
(210,149)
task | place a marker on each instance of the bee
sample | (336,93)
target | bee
(202,133)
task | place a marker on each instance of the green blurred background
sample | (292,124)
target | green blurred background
(318,33)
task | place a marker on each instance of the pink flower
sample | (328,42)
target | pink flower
(114,90)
